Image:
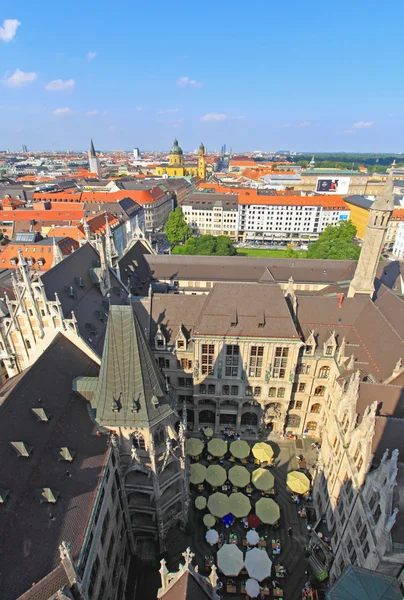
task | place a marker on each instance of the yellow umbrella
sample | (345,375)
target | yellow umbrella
(208,432)
(263,452)
(200,502)
(215,475)
(240,449)
(239,476)
(262,479)
(197,473)
(194,447)
(298,482)
(267,510)
(218,504)
(239,505)
(209,520)
(217,447)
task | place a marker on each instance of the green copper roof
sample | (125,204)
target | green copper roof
(356,583)
(176,148)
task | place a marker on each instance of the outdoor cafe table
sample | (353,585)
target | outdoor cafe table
(277,592)
(276,547)
(279,571)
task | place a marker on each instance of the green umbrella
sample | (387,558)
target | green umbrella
(200,502)
(262,479)
(197,473)
(208,432)
(239,505)
(217,447)
(267,510)
(218,504)
(240,449)
(216,475)
(239,476)
(194,447)
(209,520)
(263,452)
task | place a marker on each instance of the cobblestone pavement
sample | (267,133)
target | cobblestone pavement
(292,555)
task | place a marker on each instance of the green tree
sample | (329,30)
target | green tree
(335,242)
(289,253)
(176,228)
(207,245)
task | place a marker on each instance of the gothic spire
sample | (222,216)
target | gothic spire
(92,150)
(385,200)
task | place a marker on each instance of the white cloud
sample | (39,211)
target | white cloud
(92,113)
(186,81)
(90,56)
(62,112)
(362,124)
(58,85)
(303,124)
(19,79)
(167,111)
(214,117)
(9,29)
(139,108)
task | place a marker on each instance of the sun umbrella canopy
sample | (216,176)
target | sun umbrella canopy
(228,519)
(298,482)
(218,504)
(252,537)
(262,479)
(208,431)
(253,521)
(197,473)
(263,452)
(200,502)
(217,447)
(230,560)
(209,520)
(194,447)
(267,510)
(212,536)
(258,564)
(239,505)
(239,476)
(216,475)
(240,449)
(252,587)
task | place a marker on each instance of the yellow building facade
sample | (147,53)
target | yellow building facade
(359,216)
(176,166)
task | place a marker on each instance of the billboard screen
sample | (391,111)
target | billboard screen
(332,185)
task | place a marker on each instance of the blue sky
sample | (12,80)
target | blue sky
(308,76)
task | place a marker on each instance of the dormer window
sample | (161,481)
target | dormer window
(329,351)
(180,344)
(308,350)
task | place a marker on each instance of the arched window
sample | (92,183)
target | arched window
(272,392)
(319,391)
(225,390)
(234,390)
(375,220)
(293,421)
(315,408)
(202,388)
(248,391)
(281,393)
(206,416)
(324,372)
(138,441)
(257,391)
(249,419)
(211,388)
(311,426)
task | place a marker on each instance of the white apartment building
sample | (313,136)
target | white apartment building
(212,214)
(398,248)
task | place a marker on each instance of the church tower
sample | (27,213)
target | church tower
(176,155)
(94,161)
(201,162)
(131,399)
(379,216)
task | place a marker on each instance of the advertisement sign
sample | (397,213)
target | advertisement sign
(332,185)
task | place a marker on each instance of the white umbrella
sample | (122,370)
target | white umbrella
(258,564)
(252,587)
(212,536)
(252,537)
(230,560)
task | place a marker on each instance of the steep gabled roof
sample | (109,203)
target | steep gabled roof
(130,390)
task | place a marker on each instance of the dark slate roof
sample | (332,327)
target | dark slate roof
(258,310)
(125,209)
(29,537)
(130,390)
(88,299)
(357,583)
(201,201)
(133,265)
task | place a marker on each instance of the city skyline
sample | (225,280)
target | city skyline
(253,81)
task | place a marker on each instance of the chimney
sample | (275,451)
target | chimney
(341,299)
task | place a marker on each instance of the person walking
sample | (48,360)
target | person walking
(289,531)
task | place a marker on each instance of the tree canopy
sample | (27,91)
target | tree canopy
(207,245)
(335,242)
(176,228)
